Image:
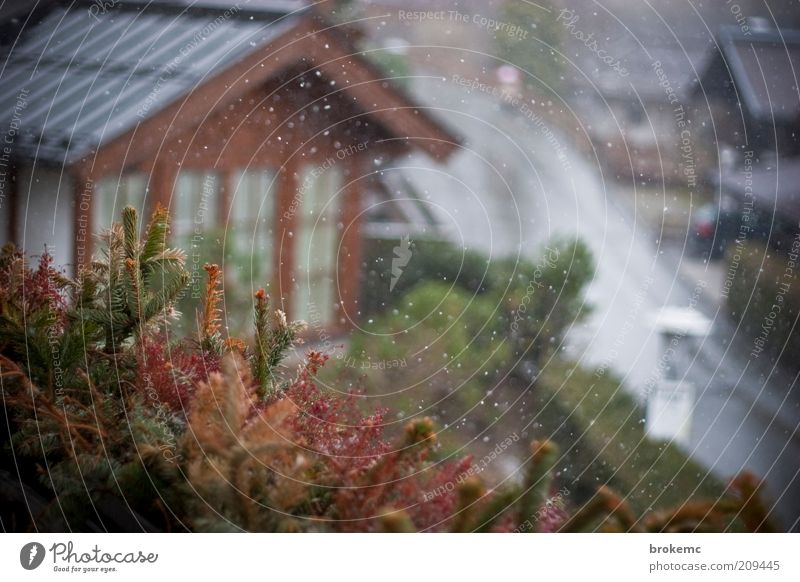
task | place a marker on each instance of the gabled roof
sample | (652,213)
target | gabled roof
(79,80)
(764,65)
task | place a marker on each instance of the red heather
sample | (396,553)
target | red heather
(363,471)
(39,290)
(173,373)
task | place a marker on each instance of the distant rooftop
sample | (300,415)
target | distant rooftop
(764,65)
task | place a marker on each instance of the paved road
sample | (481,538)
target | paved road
(516,184)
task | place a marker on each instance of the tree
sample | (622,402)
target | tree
(533,50)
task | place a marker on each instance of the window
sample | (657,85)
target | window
(194,202)
(317,243)
(194,208)
(250,232)
(114,194)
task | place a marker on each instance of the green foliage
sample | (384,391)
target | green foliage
(342,11)
(533,53)
(100,449)
(765,294)
(552,298)
(600,430)
(392,66)
(472,310)
(35,326)
(538,479)
(70,372)
(273,336)
(131,289)
(89,378)
(465,338)
(430,261)
(459,320)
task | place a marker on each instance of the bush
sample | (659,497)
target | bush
(115,424)
(430,261)
(603,438)
(531,52)
(764,298)
(468,305)
(439,338)
(464,344)
(552,299)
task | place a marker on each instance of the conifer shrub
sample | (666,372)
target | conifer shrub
(116,424)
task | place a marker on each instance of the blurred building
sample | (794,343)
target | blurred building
(257,124)
(747,96)
(644,123)
(748,103)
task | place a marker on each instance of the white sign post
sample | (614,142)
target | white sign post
(668,413)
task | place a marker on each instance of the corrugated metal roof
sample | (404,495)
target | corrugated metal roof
(77,80)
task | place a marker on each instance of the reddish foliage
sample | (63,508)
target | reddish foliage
(508,524)
(553,517)
(364,472)
(38,290)
(439,494)
(170,375)
(332,425)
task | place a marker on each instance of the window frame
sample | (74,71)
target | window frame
(249,233)
(320,192)
(125,192)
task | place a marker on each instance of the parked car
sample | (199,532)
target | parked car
(714,227)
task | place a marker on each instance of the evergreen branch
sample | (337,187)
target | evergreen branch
(134,292)
(163,300)
(130,228)
(210,321)
(261,358)
(499,503)
(157,232)
(469,493)
(538,479)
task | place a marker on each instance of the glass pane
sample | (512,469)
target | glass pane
(206,201)
(182,203)
(105,195)
(301,306)
(132,191)
(112,194)
(317,242)
(250,230)
(195,202)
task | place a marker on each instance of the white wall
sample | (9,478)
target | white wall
(45,213)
